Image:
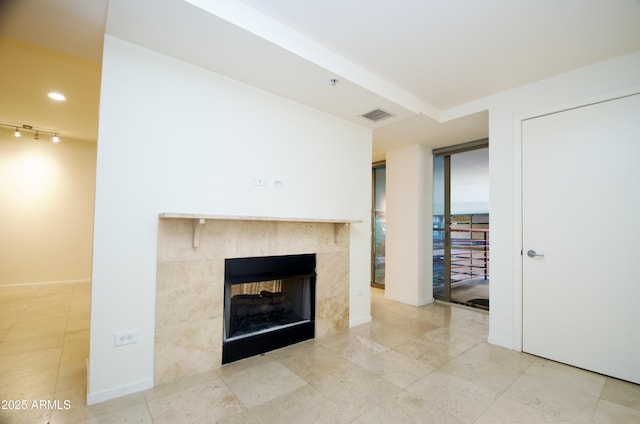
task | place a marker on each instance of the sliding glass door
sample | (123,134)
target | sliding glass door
(441,222)
(461,224)
(379,225)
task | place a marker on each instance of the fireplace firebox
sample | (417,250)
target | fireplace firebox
(269,303)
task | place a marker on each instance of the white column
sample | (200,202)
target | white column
(409,269)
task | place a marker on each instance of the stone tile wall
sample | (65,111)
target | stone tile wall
(190,283)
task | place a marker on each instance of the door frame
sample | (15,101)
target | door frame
(518,276)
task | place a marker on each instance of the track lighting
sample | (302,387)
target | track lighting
(19,129)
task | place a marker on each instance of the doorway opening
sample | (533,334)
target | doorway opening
(461,224)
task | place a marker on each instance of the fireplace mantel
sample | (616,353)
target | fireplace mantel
(200,219)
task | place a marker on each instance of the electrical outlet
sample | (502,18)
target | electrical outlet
(125,338)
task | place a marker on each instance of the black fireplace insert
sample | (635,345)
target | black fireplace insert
(269,303)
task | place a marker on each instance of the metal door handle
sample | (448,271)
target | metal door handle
(533,254)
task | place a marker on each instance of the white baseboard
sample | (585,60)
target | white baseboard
(359,321)
(412,302)
(47,283)
(500,342)
(105,395)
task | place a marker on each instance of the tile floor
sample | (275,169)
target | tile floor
(410,365)
(44,345)
(464,291)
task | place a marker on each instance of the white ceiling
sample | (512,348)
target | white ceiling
(417,59)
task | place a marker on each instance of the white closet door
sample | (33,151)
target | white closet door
(581,210)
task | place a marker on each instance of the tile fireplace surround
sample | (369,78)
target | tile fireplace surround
(190,280)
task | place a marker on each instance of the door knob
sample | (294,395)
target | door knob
(533,254)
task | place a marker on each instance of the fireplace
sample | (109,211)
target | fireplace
(269,303)
(190,285)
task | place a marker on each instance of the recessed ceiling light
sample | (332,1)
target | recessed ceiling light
(57,96)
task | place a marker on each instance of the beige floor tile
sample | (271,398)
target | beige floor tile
(181,384)
(18,293)
(26,416)
(355,390)
(351,346)
(416,327)
(396,368)
(73,336)
(437,347)
(39,357)
(567,376)
(242,418)
(138,414)
(30,362)
(613,413)
(262,382)
(456,341)
(79,321)
(556,399)
(491,377)
(30,344)
(400,308)
(29,385)
(508,411)
(4,332)
(385,334)
(306,405)
(116,405)
(37,326)
(480,317)
(484,352)
(622,392)
(442,315)
(74,353)
(405,408)
(71,376)
(207,402)
(488,367)
(385,316)
(10,312)
(461,398)
(78,411)
(469,326)
(311,361)
(433,355)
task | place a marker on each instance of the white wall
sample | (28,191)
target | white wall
(506,111)
(408,272)
(46,209)
(177,138)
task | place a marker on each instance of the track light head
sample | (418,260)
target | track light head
(19,129)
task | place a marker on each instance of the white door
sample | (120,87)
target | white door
(581,210)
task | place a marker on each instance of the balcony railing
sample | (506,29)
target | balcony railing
(469,255)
